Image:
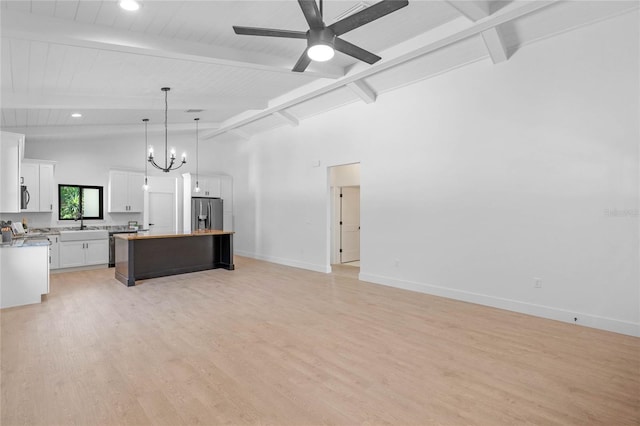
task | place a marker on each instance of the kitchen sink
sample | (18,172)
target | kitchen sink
(85,234)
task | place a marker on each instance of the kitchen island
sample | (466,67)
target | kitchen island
(147,255)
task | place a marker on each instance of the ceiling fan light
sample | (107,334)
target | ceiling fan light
(320,52)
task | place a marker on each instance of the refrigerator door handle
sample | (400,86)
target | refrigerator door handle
(209,214)
(194,215)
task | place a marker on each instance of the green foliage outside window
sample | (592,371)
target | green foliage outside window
(69,202)
(80,200)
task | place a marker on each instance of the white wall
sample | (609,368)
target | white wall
(474,182)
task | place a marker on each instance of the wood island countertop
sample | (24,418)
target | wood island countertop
(145,235)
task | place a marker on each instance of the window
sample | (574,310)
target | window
(72,197)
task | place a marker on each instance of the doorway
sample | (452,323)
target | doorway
(161,212)
(349,223)
(345,215)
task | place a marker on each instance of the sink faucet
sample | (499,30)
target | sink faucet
(80,216)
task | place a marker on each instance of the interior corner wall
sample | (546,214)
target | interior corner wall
(475,182)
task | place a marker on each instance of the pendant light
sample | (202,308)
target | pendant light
(197,188)
(168,165)
(146,184)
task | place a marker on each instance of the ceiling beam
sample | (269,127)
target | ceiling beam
(363,90)
(445,35)
(495,46)
(180,102)
(287,118)
(90,131)
(472,10)
(47,29)
(241,134)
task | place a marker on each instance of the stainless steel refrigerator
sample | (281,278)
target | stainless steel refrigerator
(206,213)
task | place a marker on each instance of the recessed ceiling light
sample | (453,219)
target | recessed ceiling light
(130,5)
(76,115)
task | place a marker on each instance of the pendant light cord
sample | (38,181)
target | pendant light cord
(146,120)
(197,155)
(146,144)
(166,131)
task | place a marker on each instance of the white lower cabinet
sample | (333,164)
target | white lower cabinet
(24,276)
(83,253)
(97,252)
(54,252)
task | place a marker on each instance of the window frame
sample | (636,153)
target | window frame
(81,188)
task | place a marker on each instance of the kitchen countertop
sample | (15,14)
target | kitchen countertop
(26,242)
(56,231)
(38,236)
(151,235)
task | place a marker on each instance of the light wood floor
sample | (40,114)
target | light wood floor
(267,344)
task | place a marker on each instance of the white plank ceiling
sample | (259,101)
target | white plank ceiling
(64,56)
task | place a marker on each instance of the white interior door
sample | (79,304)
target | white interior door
(161,212)
(162,219)
(350,224)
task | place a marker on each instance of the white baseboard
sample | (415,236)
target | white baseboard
(593,321)
(287,262)
(78,268)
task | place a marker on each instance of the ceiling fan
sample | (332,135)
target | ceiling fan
(323,40)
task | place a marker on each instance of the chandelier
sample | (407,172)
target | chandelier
(168,161)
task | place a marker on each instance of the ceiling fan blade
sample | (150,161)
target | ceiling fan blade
(268,32)
(367,15)
(303,62)
(311,13)
(352,50)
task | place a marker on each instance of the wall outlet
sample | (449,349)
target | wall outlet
(537,282)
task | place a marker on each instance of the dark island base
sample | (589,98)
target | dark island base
(140,259)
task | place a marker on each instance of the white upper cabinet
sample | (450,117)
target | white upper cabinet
(136,192)
(30,177)
(11,154)
(209,186)
(37,176)
(125,192)
(47,187)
